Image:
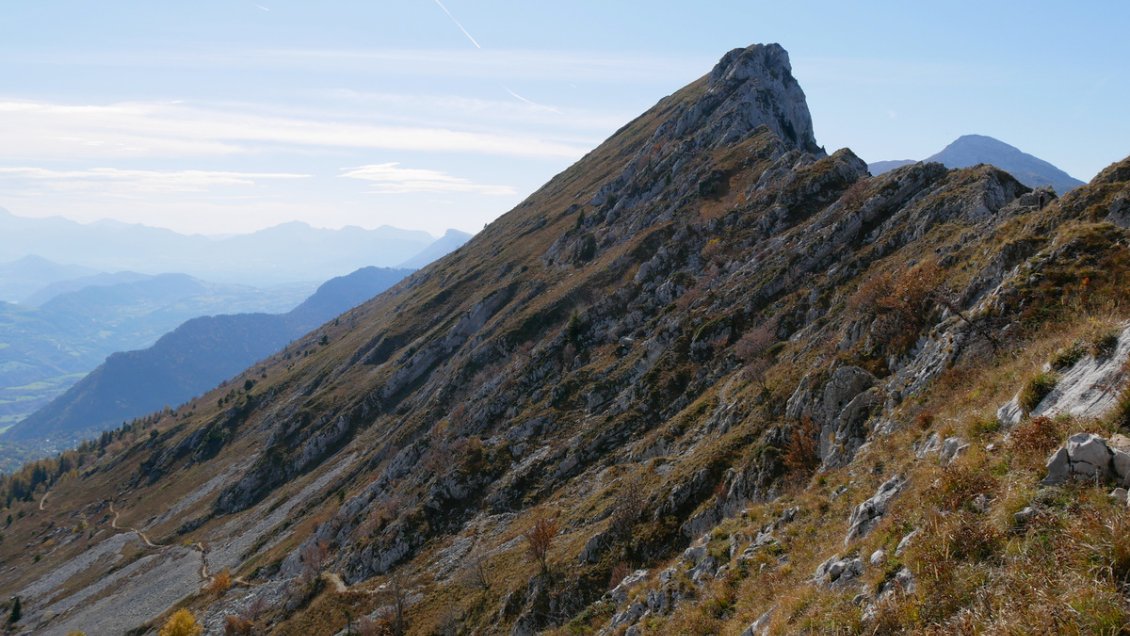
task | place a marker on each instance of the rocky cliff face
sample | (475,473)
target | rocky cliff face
(707,361)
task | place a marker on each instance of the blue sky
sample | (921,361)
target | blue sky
(227,116)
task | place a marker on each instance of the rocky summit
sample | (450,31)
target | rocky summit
(709,379)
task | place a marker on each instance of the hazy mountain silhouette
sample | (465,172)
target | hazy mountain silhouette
(283,253)
(30,273)
(970,150)
(101,279)
(449,242)
(193,358)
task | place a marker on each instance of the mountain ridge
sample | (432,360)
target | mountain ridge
(194,357)
(262,258)
(704,363)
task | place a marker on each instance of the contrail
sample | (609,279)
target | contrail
(519,97)
(530,101)
(440,4)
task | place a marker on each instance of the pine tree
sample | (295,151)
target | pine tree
(17,612)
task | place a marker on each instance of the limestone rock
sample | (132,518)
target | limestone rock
(868,513)
(841,407)
(1088,456)
(905,541)
(931,445)
(619,593)
(878,557)
(837,572)
(759,627)
(1083,391)
(903,582)
(951,449)
(758,89)
(1059,468)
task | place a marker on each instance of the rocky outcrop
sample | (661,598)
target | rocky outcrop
(947,450)
(838,572)
(841,407)
(754,87)
(1090,457)
(867,514)
(1089,389)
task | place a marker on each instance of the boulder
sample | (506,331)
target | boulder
(1088,456)
(1059,468)
(759,627)
(905,541)
(878,557)
(951,449)
(837,572)
(867,514)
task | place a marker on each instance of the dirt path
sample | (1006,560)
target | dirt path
(43,500)
(203,563)
(339,586)
(206,578)
(139,533)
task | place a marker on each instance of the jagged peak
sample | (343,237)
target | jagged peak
(748,89)
(755,86)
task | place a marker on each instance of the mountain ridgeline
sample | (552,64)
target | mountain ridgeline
(970,150)
(708,379)
(281,254)
(188,361)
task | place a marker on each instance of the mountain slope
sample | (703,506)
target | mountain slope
(682,363)
(189,360)
(969,150)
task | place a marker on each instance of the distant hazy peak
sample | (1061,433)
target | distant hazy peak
(970,150)
(756,87)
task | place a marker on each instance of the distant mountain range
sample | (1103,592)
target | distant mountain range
(46,348)
(284,253)
(969,150)
(101,279)
(31,273)
(188,361)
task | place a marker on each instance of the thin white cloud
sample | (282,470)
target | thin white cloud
(499,64)
(119,182)
(41,130)
(458,24)
(390,178)
(455,110)
(261,7)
